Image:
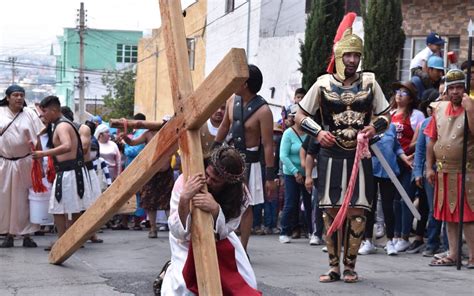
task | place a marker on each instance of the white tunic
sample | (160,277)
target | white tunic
(180,236)
(15,175)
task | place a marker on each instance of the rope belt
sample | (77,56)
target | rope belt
(14,158)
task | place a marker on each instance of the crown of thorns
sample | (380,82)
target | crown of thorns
(221,170)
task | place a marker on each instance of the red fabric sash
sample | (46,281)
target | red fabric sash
(362,151)
(231,280)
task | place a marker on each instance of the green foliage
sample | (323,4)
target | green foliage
(121,93)
(321,27)
(383,40)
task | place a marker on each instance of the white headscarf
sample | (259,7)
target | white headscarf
(101,128)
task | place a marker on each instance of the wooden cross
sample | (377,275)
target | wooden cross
(192,109)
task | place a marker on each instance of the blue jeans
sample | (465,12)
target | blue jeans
(434,226)
(317,213)
(290,213)
(270,213)
(403,216)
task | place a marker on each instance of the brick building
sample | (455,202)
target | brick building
(449,18)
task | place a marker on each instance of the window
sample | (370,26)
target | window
(414,45)
(127,53)
(191,42)
(307,7)
(229,6)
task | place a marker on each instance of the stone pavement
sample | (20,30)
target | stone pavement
(128,262)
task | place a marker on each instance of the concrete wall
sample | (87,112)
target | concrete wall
(282,18)
(152,86)
(226,31)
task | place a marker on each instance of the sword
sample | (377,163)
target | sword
(393,177)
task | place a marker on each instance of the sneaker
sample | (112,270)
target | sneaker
(390,248)
(402,245)
(284,239)
(259,231)
(315,240)
(428,252)
(415,247)
(163,228)
(324,249)
(367,248)
(379,230)
(276,230)
(8,242)
(29,243)
(441,255)
(267,230)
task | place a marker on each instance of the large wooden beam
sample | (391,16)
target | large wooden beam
(136,124)
(202,235)
(149,161)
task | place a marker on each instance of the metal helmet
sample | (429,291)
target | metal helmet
(348,43)
(455,76)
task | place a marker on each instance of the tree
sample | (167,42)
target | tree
(121,93)
(383,40)
(321,27)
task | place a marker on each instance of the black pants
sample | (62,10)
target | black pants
(387,193)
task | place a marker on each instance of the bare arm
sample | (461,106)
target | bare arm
(137,141)
(225,125)
(468,105)
(266,131)
(85,133)
(309,165)
(430,160)
(63,132)
(303,159)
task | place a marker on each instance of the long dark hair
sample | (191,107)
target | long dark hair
(231,197)
(411,106)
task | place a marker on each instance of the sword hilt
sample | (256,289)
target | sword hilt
(375,139)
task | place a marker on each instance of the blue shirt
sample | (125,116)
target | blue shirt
(420,150)
(290,152)
(132,151)
(390,148)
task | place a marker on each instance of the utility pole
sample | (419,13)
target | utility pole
(13,60)
(82,29)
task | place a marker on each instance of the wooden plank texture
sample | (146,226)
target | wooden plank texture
(148,162)
(202,235)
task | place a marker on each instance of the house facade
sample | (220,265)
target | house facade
(104,51)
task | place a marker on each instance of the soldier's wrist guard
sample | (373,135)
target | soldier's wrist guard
(380,124)
(309,126)
(270,174)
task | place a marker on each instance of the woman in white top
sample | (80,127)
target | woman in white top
(108,150)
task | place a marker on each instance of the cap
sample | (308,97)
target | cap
(434,38)
(435,62)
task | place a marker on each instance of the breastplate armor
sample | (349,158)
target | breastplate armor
(345,111)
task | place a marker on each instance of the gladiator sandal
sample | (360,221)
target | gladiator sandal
(332,242)
(355,227)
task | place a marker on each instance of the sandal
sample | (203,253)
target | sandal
(350,276)
(329,277)
(446,261)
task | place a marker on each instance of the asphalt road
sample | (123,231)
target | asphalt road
(128,262)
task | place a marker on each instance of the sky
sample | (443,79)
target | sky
(31,26)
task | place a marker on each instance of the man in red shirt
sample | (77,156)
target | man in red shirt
(445,148)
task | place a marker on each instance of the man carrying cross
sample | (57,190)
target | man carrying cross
(226,201)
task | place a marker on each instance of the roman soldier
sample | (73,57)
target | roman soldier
(340,105)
